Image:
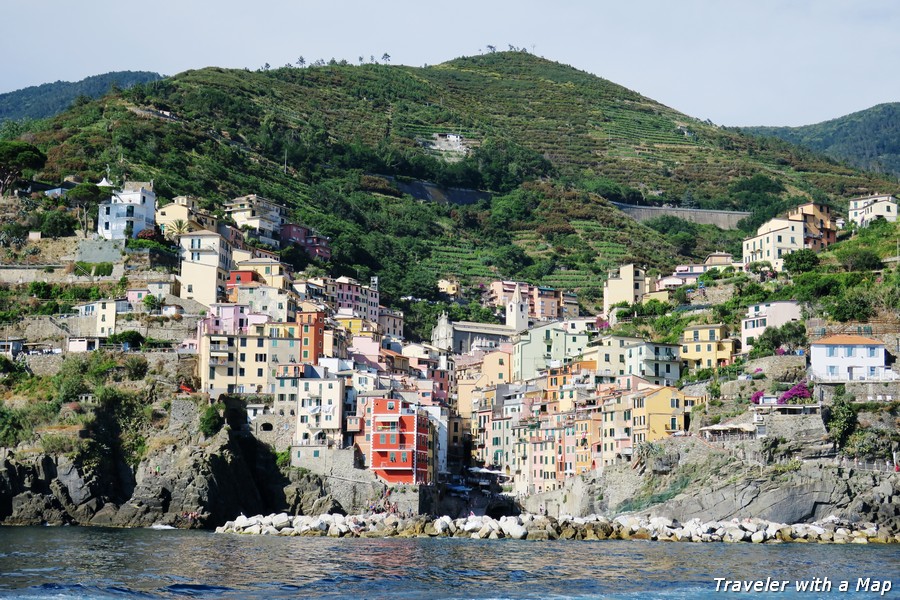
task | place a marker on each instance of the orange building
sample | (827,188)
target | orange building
(312,335)
(399,441)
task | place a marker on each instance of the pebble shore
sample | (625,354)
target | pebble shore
(538,527)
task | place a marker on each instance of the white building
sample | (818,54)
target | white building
(865,210)
(842,358)
(127,212)
(770,314)
(262,217)
(658,363)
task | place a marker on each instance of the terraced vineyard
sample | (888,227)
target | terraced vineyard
(464,262)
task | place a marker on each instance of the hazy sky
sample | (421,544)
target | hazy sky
(735,62)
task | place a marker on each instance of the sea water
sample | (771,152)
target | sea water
(74,562)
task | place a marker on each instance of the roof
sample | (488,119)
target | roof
(202,232)
(843,339)
(489,328)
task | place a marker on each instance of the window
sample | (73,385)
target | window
(382,438)
(390,406)
(674,403)
(851,350)
(832,371)
(873,352)
(831,351)
(190,288)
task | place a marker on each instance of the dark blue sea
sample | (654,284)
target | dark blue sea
(72,562)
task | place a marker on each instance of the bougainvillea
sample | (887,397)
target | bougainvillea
(796,394)
(757,396)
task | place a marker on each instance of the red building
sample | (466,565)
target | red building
(236,278)
(398,441)
(314,244)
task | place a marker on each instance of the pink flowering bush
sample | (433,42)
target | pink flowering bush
(757,396)
(796,395)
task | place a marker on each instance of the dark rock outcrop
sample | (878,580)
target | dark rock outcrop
(185,481)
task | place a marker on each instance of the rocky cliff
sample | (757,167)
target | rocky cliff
(184,479)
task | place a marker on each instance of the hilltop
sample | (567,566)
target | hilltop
(868,139)
(547,144)
(49,99)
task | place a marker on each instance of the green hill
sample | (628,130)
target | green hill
(46,100)
(550,143)
(868,139)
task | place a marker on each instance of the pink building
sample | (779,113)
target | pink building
(314,244)
(544,303)
(361,299)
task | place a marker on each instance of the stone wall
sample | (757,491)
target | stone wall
(861,391)
(44,364)
(276,431)
(795,427)
(724,219)
(354,489)
(18,275)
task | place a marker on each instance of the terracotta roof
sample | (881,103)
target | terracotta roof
(847,340)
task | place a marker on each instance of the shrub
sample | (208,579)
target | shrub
(136,367)
(212,421)
(283,459)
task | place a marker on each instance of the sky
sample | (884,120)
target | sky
(734,62)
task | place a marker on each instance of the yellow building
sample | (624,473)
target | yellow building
(205,263)
(272,272)
(708,346)
(660,413)
(358,326)
(450,287)
(493,369)
(627,284)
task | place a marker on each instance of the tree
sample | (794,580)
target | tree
(859,259)
(57,224)
(301,62)
(491,48)
(801,261)
(152,303)
(178,228)
(15,158)
(386,57)
(83,197)
(842,420)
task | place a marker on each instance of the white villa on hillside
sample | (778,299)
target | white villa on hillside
(865,210)
(840,358)
(127,212)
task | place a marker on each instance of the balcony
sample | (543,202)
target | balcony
(217,361)
(394,448)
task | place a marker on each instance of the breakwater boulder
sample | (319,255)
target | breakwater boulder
(539,527)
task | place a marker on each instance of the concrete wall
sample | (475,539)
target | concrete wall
(724,219)
(95,251)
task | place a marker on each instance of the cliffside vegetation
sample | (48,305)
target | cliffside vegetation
(550,144)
